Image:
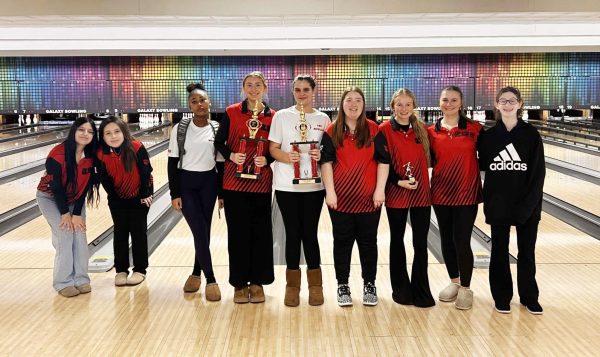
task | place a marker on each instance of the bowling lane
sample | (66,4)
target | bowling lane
(23,190)
(30,245)
(572,156)
(36,129)
(575,191)
(44,136)
(21,158)
(569,138)
(557,242)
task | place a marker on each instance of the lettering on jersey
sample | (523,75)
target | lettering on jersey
(508,160)
(464,133)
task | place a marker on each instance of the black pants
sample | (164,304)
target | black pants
(198,197)
(250,238)
(359,227)
(500,276)
(300,212)
(416,289)
(456,226)
(134,221)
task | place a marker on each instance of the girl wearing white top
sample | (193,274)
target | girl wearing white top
(193,183)
(300,204)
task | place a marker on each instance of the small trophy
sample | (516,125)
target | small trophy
(252,171)
(408,173)
(303,127)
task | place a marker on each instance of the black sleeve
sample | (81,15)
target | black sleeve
(382,155)
(78,206)
(145,169)
(106,181)
(270,159)
(220,172)
(173,175)
(221,137)
(534,188)
(481,150)
(327,149)
(54,169)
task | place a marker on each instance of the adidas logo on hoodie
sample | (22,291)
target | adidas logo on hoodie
(508,160)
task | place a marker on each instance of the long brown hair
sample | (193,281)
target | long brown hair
(417,125)
(363,135)
(127,154)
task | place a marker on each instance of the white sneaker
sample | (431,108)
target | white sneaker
(449,293)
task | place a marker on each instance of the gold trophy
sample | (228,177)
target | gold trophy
(303,127)
(253,124)
(408,173)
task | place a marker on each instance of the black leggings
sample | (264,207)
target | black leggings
(134,221)
(250,238)
(198,197)
(416,289)
(359,227)
(300,212)
(456,226)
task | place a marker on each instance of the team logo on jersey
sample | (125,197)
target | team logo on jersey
(508,160)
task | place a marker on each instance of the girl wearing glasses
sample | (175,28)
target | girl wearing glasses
(512,155)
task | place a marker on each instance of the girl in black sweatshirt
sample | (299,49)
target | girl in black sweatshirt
(512,155)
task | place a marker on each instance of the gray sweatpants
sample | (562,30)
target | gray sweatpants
(72,255)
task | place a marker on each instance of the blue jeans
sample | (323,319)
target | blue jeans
(72,254)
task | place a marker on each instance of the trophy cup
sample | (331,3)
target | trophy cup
(408,173)
(303,127)
(252,171)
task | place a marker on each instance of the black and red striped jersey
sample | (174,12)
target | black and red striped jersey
(232,128)
(54,181)
(398,148)
(354,171)
(120,184)
(455,180)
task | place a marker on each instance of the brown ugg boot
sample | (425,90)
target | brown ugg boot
(192,284)
(212,292)
(315,287)
(257,294)
(292,288)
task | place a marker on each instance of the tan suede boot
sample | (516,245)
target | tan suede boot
(292,288)
(257,294)
(192,284)
(212,292)
(315,287)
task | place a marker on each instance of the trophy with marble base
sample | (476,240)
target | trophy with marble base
(305,177)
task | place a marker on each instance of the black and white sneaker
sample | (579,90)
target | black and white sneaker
(343,295)
(369,294)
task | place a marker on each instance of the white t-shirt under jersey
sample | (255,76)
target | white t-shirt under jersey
(283,131)
(199,147)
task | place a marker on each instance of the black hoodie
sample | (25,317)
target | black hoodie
(514,173)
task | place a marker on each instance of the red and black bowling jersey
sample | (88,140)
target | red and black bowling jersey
(455,180)
(232,128)
(54,181)
(397,148)
(354,171)
(122,185)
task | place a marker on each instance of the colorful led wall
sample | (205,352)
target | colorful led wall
(130,84)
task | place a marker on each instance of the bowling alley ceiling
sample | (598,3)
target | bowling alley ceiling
(300,34)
